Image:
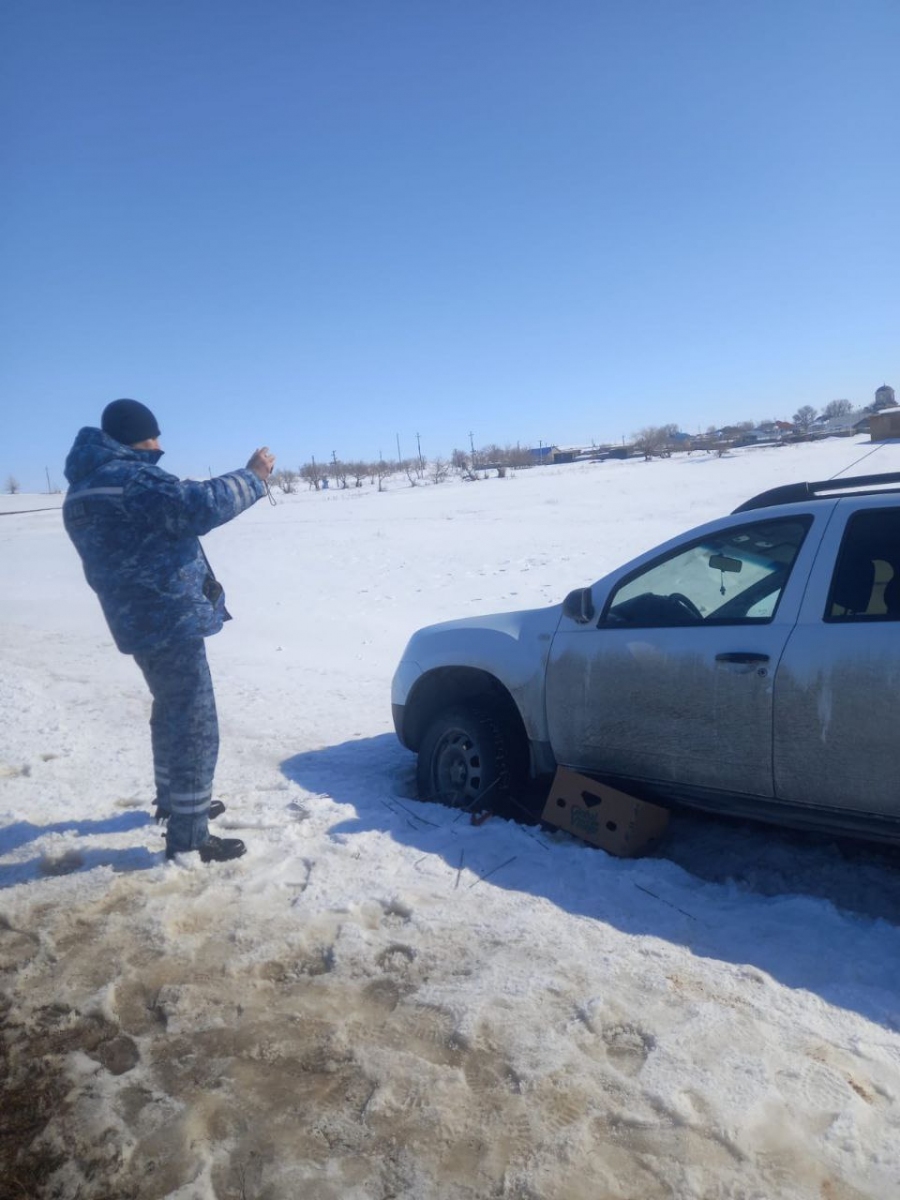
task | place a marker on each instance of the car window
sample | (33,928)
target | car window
(735,576)
(866,582)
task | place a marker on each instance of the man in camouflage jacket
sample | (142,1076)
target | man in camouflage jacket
(137,529)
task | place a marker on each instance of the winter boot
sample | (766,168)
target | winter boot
(215,849)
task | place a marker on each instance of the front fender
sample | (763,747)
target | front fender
(512,649)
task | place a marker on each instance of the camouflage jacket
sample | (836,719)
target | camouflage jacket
(136,528)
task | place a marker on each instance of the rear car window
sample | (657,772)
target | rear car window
(866,581)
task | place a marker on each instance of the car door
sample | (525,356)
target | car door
(837,691)
(672,682)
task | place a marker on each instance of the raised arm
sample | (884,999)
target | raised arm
(185,507)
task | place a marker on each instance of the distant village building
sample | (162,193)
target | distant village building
(844,426)
(767,432)
(885,425)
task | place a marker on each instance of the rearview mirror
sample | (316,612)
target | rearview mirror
(719,562)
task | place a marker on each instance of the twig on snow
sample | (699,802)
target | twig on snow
(478,800)
(415,816)
(493,871)
(660,899)
(462,855)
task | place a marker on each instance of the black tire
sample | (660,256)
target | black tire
(464,760)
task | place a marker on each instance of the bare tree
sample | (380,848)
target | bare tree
(804,417)
(410,466)
(493,458)
(652,439)
(518,456)
(286,479)
(340,471)
(837,408)
(311,473)
(358,471)
(381,471)
(12,485)
(439,471)
(464,464)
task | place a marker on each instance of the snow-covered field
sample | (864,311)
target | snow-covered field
(382,999)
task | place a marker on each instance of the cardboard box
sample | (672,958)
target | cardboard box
(602,815)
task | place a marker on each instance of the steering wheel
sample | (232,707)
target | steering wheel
(688,605)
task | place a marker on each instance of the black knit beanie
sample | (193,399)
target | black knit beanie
(129,421)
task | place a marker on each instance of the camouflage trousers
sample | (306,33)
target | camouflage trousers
(184,732)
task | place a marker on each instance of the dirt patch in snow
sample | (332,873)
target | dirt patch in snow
(144,1059)
(163,1042)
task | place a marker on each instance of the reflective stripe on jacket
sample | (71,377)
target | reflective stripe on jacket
(136,528)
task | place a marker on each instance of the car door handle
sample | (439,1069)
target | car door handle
(742,656)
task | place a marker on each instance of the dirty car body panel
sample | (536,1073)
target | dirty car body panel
(836,736)
(750,666)
(512,648)
(689,704)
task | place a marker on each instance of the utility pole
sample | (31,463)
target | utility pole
(399,455)
(419,447)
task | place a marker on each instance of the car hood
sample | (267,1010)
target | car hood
(524,624)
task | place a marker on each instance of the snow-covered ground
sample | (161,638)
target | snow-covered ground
(382,999)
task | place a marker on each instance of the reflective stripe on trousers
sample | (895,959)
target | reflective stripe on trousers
(184,732)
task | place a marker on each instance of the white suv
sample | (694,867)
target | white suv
(751,666)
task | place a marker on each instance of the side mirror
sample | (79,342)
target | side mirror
(579,606)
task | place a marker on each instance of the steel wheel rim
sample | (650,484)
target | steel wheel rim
(458,768)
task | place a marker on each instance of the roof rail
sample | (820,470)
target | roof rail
(825,489)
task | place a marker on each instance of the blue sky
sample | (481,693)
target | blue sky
(320,225)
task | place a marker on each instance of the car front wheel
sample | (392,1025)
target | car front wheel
(464,760)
